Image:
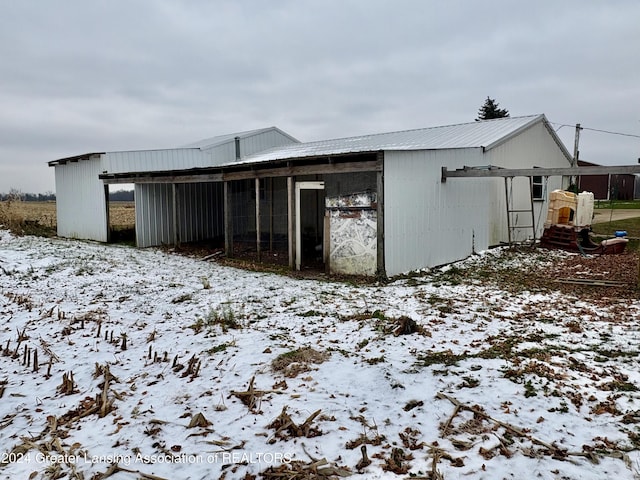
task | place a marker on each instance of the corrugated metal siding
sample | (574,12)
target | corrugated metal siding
(200,211)
(226,152)
(220,139)
(185,158)
(80,202)
(534,147)
(427,222)
(263,141)
(221,154)
(154,214)
(153,160)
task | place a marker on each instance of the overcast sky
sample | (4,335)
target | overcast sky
(80,76)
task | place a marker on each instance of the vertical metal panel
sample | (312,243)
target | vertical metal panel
(154,210)
(263,141)
(153,160)
(220,154)
(80,200)
(200,213)
(426,222)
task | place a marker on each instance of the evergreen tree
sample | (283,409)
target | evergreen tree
(490,110)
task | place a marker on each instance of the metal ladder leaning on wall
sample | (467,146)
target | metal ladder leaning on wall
(512,223)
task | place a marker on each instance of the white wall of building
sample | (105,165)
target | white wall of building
(430,223)
(427,222)
(80,200)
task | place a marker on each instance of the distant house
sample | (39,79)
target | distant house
(608,186)
(365,205)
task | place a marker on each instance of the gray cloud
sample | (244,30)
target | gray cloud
(82,76)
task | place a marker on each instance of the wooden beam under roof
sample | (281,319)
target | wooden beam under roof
(241,172)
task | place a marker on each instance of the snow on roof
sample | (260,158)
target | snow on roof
(482,134)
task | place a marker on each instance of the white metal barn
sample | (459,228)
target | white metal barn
(81,197)
(367,205)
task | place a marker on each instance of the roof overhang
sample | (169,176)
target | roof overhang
(344,163)
(76,158)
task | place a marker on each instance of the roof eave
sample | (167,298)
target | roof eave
(75,158)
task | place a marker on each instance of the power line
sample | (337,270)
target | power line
(596,130)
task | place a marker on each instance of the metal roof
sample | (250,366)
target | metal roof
(230,137)
(75,158)
(480,134)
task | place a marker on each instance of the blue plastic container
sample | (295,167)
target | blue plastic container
(621,233)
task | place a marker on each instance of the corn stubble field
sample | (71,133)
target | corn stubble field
(39,218)
(122,363)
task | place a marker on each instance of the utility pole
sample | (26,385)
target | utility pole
(576,152)
(576,155)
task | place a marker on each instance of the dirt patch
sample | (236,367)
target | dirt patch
(297,361)
(541,270)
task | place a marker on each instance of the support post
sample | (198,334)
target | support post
(228,221)
(508,202)
(291,222)
(174,195)
(270,185)
(380,268)
(258,234)
(106,202)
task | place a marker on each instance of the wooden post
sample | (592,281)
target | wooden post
(638,285)
(326,242)
(380,268)
(258,234)
(228,221)
(290,222)
(270,184)
(176,208)
(106,201)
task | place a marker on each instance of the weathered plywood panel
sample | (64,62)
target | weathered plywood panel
(353,234)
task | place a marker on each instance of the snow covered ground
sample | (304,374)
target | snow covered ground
(155,365)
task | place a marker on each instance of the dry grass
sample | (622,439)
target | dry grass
(122,214)
(39,218)
(298,361)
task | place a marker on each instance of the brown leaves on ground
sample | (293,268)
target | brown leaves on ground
(538,270)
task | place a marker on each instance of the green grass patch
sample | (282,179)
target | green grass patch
(608,229)
(616,204)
